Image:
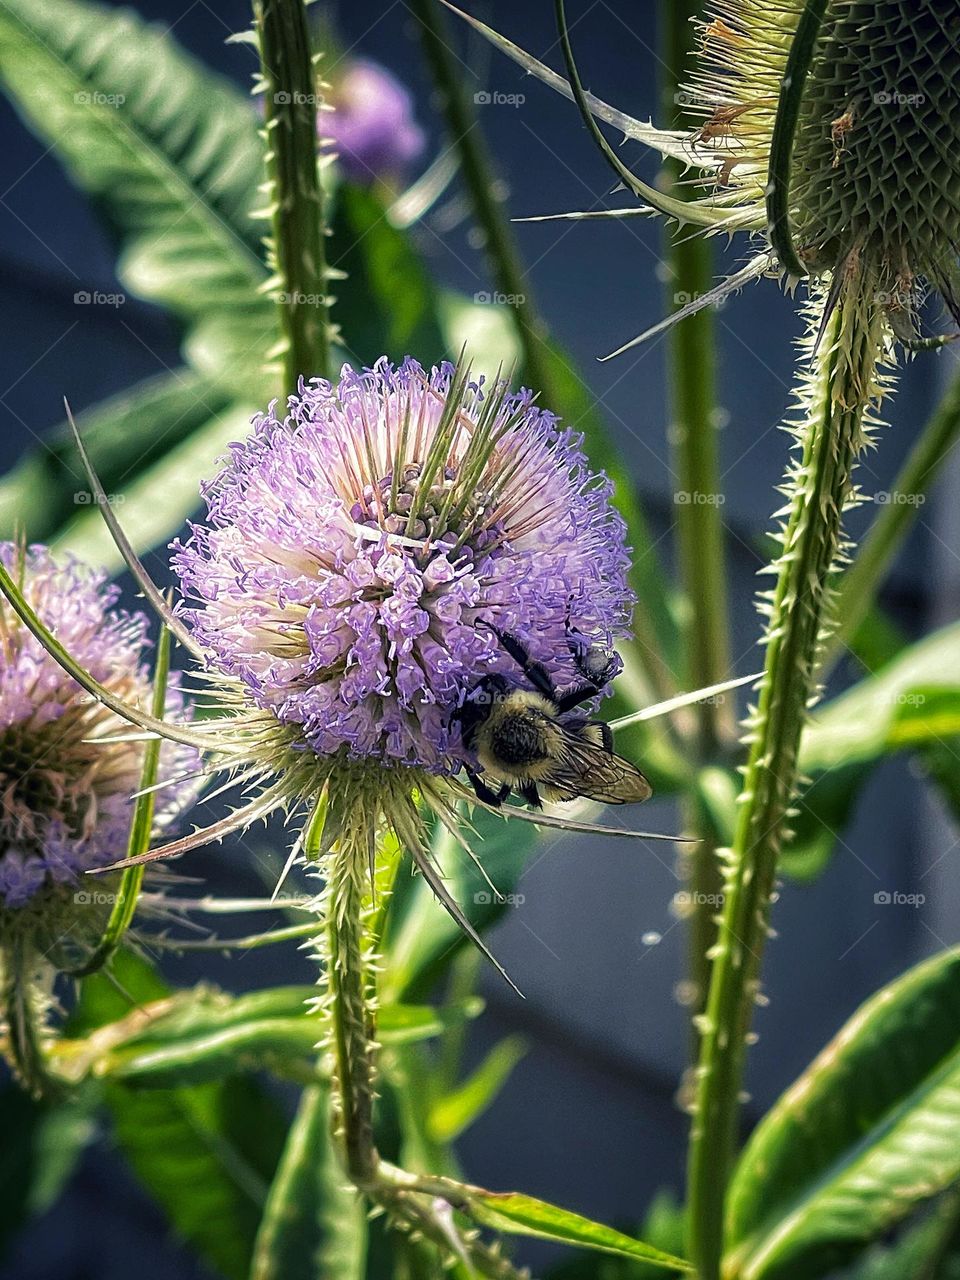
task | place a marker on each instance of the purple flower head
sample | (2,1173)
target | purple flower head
(65,798)
(355,549)
(372,124)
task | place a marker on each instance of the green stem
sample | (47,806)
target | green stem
(700,532)
(477,167)
(352,1024)
(840,389)
(297,208)
(859,585)
(21,1008)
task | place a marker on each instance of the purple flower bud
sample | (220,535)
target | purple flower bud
(354,550)
(372,124)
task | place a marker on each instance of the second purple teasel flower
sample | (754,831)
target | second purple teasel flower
(371,123)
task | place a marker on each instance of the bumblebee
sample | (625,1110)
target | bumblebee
(528,740)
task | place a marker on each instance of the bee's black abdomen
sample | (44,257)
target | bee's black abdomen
(518,740)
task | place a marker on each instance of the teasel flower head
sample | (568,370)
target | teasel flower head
(370,122)
(358,552)
(66,789)
(824,127)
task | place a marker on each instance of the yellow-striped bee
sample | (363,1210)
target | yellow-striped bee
(527,739)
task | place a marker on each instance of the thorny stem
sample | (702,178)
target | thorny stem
(352,1026)
(352,927)
(467,140)
(700,536)
(841,390)
(858,586)
(296,208)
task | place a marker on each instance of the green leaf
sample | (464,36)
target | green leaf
(387,305)
(125,436)
(664,1227)
(204,1034)
(162,497)
(455,1111)
(912,702)
(866,1133)
(655,622)
(168,149)
(207,1154)
(518,1214)
(314,1225)
(40,1150)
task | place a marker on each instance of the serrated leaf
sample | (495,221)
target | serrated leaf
(314,1225)
(162,497)
(518,1214)
(203,1034)
(124,435)
(866,1133)
(168,149)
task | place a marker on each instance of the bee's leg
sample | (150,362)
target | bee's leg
(576,696)
(535,672)
(532,796)
(485,794)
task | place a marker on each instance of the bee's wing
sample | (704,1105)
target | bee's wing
(586,768)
